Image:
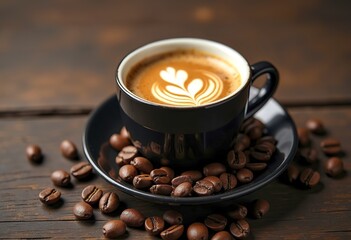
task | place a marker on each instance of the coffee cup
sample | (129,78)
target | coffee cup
(183,100)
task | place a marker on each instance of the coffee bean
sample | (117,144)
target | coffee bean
(118,141)
(216,222)
(331,146)
(181,179)
(237,212)
(214,169)
(253,128)
(195,175)
(260,207)
(309,177)
(114,228)
(217,183)
(82,210)
(34,153)
(160,176)
(161,189)
(197,231)
(169,171)
(173,217)
(203,188)
(124,132)
(269,139)
(222,235)
(229,181)
(127,173)
(132,217)
(82,170)
(61,178)
(263,151)
(256,167)
(240,229)
(173,232)
(183,190)
(142,181)
(49,196)
(244,175)
(142,164)
(154,225)
(334,167)
(309,155)
(91,194)
(69,149)
(236,160)
(126,155)
(109,202)
(293,173)
(242,142)
(315,126)
(304,137)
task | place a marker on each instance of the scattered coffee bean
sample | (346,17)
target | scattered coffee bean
(195,175)
(214,169)
(229,181)
(69,149)
(114,229)
(82,170)
(142,164)
(132,217)
(203,188)
(91,194)
(242,142)
(236,160)
(49,196)
(183,190)
(253,128)
(315,126)
(181,179)
(217,183)
(34,153)
(334,166)
(309,155)
(169,171)
(127,173)
(197,231)
(309,178)
(304,137)
(124,132)
(240,229)
(244,175)
(216,222)
(263,151)
(109,202)
(118,141)
(160,176)
(293,173)
(142,181)
(154,225)
(237,212)
(82,210)
(269,139)
(173,232)
(173,217)
(126,155)
(259,208)
(222,235)
(331,146)
(61,178)
(161,189)
(256,167)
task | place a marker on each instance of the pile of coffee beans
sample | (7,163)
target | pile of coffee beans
(250,155)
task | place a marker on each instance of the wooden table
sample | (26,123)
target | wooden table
(57,63)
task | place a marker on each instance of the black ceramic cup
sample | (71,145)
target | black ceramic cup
(188,136)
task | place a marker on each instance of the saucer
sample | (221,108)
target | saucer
(105,121)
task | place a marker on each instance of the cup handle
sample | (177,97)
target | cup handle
(266,92)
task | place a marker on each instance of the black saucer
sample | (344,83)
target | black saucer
(105,121)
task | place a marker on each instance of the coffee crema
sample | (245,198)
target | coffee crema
(183,78)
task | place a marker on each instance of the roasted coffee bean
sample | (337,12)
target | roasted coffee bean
(263,151)
(82,170)
(331,146)
(293,173)
(334,167)
(169,171)
(34,153)
(197,231)
(83,210)
(269,139)
(114,228)
(173,217)
(309,155)
(195,175)
(91,194)
(183,190)
(244,175)
(222,235)
(237,212)
(69,149)
(154,225)
(142,181)
(49,196)
(256,167)
(160,176)
(236,160)
(304,137)
(161,189)
(240,229)
(229,181)
(124,132)
(173,232)
(253,128)
(142,164)
(128,172)
(217,183)
(126,155)
(181,179)
(315,126)
(118,142)
(216,222)
(309,177)
(259,208)
(61,178)
(214,169)
(109,202)
(132,217)
(203,188)
(242,142)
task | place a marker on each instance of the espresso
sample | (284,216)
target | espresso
(183,78)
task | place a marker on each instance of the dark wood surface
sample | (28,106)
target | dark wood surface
(57,62)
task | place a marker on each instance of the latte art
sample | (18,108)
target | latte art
(182,91)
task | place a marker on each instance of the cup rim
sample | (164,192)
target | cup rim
(179,42)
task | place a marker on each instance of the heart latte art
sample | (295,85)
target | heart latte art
(183,78)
